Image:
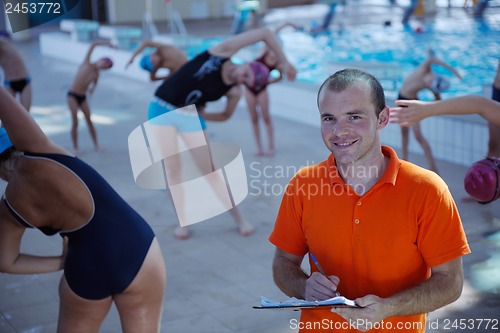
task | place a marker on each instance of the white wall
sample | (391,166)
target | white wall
(128,11)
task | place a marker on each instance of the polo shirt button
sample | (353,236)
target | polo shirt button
(359,203)
(356,221)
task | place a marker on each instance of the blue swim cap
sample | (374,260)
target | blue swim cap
(146,63)
(5,142)
(439,84)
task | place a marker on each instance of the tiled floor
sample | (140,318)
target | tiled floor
(215,277)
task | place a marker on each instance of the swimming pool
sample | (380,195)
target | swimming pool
(469,45)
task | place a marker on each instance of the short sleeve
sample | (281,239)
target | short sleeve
(441,237)
(287,233)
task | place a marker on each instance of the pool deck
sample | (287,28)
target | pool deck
(216,276)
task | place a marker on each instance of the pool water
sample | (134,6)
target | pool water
(485,275)
(470,46)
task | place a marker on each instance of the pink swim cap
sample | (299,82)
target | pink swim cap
(261,76)
(107,61)
(482,180)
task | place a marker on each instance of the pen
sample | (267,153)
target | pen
(318,265)
(320,269)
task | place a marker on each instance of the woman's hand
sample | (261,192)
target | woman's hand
(408,112)
(288,69)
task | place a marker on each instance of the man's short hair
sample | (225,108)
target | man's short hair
(341,80)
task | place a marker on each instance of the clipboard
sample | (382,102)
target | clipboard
(297,304)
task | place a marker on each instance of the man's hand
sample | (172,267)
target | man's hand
(320,287)
(372,311)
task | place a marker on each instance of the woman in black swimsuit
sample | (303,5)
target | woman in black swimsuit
(110,255)
(208,77)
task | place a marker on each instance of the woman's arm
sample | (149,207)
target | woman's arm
(141,47)
(437,61)
(14,262)
(24,132)
(93,46)
(154,77)
(286,24)
(276,79)
(409,112)
(233,44)
(233,96)
(93,85)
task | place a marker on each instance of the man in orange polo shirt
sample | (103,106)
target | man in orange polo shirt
(386,232)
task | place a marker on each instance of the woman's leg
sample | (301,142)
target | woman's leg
(204,160)
(405,136)
(73,108)
(25,97)
(80,315)
(86,112)
(140,305)
(251,100)
(425,146)
(166,137)
(263,99)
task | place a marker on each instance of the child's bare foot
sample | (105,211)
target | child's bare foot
(76,151)
(246,229)
(259,153)
(182,233)
(270,152)
(100,149)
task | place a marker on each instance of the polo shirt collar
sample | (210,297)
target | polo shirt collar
(389,175)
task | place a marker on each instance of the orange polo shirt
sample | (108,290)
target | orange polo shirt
(381,243)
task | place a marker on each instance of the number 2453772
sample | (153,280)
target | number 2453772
(33,8)
(470,324)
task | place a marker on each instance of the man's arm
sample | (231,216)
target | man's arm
(409,112)
(294,282)
(288,274)
(442,288)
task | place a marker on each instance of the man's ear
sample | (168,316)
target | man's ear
(383,117)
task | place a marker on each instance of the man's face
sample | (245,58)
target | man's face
(349,125)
